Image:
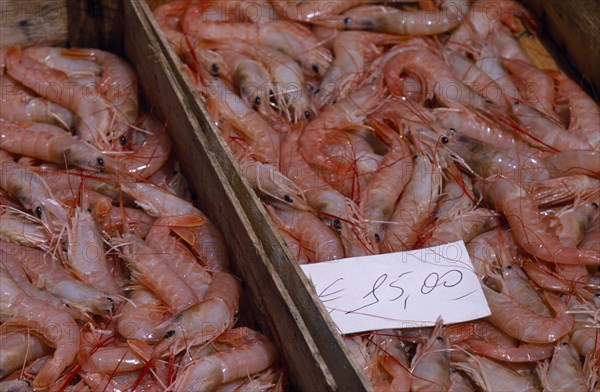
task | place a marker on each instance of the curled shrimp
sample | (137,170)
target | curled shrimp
(139,316)
(564,371)
(22,228)
(18,349)
(19,104)
(449,16)
(430,366)
(568,163)
(563,189)
(250,353)
(528,229)
(44,320)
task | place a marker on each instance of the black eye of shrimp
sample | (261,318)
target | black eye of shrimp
(122,140)
(439,338)
(257,101)
(287,198)
(100,162)
(595,205)
(38,212)
(315,68)
(169,334)
(214,69)
(377,238)
(347,21)
(444,139)
(337,224)
(112,304)
(307,114)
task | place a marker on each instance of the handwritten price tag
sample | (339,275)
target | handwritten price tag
(400,290)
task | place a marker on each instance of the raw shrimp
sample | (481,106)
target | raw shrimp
(449,16)
(563,189)
(378,199)
(43,319)
(528,229)
(564,372)
(204,321)
(152,270)
(515,284)
(568,163)
(313,11)
(54,57)
(139,316)
(18,349)
(316,239)
(181,260)
(430,366)
(48,145)
(415,207)
(150,152)
(461,225)
(111,359)
(31,191)
(523,323)
(85,253)
(23,228)
(206,240)
(18,104)
(524,353)
(45,272)
(168,17)
(293,39)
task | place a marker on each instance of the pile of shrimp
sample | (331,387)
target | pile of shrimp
(369,127)
(111,279)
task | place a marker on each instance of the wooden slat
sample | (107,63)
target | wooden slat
(97,24)
(574,25)
(269,295)
(329,342)
(33,22)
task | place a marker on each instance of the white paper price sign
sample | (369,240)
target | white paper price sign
(400,290)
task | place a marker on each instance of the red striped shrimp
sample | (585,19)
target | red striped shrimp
(564,371)
(153,271)
(293,39)
(86,258)
(31,191)
(430,367)
(50,146)
(415,207)
(47,273)
(520,322)
(23,229)
(206,240)
(26,311)
(584,113)
(379,197)
(249,353)
(19,104)
(528,229)
(317,240)
(563,189)
(181,260)
(18,349)
(450,15)
(204,321)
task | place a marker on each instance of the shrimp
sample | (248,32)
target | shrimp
(378,199)
(139,316)
(45,272)
(111,359)
(18,349)
(23,229)
(19,104)
(15,386)
(55,58)
(150,153)
(85,253)
(492,376)
(461,225)
(569,163)
(168,16)
(563,189)
(416,205)
(43,319)
(584,112)
(204,321)
(523,323)
(152,270)
(564,372)
(528,229)
(316,239)
(449,16)
(181,260)
(206,239)
(314,11)
(430,366)
(50,146)
(31,191)
(250,353)
(293,39)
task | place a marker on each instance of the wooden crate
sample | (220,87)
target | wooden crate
(273,284)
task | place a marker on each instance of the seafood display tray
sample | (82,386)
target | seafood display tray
(278,293)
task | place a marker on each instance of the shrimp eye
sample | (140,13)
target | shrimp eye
(38,212)
(595,205)
(100,162)
(307,114)
(337,224)
(565,344)
(489,102)
(347,21)
(214,69)
(516,103)
(287,198)
(439,338)
(112,304)
(315,68)
(169,334)
(509,267)
(377,238)
(122,140)
(89,210)
(444,140)
(257,101)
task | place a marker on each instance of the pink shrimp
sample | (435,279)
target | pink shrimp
(250,353)
(168,16)
(18,349)
(293,39)
(316,239)
(528,229)
(568,163)
(23,229)
(313,11)
(43,319)
(99,357)
(564,372)
(523,323)
(430,367)
(415,207)
(563,189)
(139,316)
